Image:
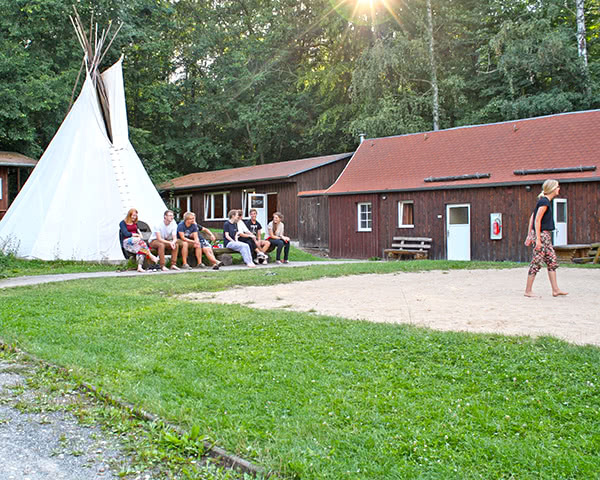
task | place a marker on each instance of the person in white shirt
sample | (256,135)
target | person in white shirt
(164,238)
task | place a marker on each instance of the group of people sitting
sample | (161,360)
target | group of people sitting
(241,236)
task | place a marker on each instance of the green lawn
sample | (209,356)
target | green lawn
(317,397)
(10,266)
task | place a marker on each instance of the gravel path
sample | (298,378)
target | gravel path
(40,441)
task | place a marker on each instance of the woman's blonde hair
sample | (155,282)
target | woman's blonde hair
(129,215)
(548,187)
(280,215)
(187,215)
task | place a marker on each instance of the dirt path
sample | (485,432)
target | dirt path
(488,301)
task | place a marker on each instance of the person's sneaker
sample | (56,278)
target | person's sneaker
(185,266)
(200,266)
(215,266)
(175,267)
(164,269)
(285,261)
(278,262)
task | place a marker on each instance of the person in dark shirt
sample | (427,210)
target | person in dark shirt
(188,233)
(541,225)
(132,241)
(256,229)
(231,238)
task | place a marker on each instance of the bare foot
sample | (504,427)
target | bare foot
(531,295)
(557,294)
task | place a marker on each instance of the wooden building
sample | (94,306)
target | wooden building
(471,189)
(14,172)
(268,188)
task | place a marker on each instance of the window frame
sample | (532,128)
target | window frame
(176,204)
(401,214)
(209,206)
(369,221)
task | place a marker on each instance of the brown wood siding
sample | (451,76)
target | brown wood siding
(345,241)
(313,218)
(515,203)
(320,178)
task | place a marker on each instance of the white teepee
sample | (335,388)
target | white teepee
(83,186)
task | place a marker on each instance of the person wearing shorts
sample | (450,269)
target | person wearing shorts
(188,232)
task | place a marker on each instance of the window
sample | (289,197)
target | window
(365,220)
(406,218)
(216,205)
(181,204)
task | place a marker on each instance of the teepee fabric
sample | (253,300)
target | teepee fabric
(82,187)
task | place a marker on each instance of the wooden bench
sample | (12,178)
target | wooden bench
(592,255)
(221,253)
(567,253)
(415,247)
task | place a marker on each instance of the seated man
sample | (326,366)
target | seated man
(164,238)
(189,236)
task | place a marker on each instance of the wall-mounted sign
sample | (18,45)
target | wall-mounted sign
(495,226)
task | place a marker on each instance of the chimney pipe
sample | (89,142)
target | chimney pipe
(362,137)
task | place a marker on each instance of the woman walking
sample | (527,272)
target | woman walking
(541,225)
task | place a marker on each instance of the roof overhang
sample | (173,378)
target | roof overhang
(213,186)
(464,187)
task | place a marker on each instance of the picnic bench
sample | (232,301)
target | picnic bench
(592,255)
(415,247)
(567,253)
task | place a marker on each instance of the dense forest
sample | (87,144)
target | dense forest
(225,83)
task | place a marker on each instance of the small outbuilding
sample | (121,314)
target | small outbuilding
(268,188)
(470,189)
(14,172)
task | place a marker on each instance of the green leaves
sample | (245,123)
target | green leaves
(214,85)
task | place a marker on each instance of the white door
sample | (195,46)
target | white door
(458,231)
(259,202)
(560,221)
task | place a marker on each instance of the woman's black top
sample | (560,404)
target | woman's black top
(548,218)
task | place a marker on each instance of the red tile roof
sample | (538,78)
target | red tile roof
(254,174)
(13,159)
(405,162)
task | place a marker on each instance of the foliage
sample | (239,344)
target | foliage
(214,85)
(317,397)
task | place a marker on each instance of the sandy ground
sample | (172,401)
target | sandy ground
(488,301)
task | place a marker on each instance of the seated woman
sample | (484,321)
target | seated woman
(132,240)
(231,238)
(246,236)
(277,238)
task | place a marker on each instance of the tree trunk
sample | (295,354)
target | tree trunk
(432,64)
(581,43)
